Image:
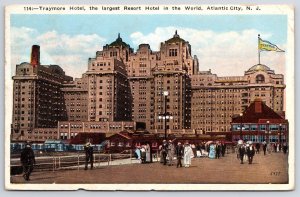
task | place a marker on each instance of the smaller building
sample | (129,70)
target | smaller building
(260,123)
(70,129)
(128,140)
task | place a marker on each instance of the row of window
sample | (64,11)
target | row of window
(255,127)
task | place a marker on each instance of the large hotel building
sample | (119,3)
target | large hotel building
(126,90)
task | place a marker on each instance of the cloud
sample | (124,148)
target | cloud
(225,53)
(71,52)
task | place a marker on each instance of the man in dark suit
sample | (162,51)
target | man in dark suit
(179,154)
(265,148)
(257,147)
(242,153)
(89,155)
(27,160)
(218,150)
(250,153)
(223,147)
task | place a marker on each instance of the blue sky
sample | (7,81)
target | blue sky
(221,42)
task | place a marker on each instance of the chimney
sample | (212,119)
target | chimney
(35,55)
(258,105)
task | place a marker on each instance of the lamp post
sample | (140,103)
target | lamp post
(268,128)
(165,116)
(280,125)
(241,127)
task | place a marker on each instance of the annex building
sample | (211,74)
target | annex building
(124,89)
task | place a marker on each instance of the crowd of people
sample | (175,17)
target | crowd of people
(246,150)
(169,152)
(144,153)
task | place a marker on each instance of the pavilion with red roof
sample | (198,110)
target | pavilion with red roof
(260,123)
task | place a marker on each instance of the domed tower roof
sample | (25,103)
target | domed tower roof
(176,38)
(119,42)
(259,67)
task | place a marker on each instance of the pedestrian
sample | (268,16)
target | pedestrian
(250,153)
(218,150)
(171,151)
(179,154)
(148,153)
(275,147)
(137,153)
(264,147)
(164,150)
(187,155)
(223,149)
(257,147)
(245,155)
(194,149)
(161,158)
(89,155)
(198,150)
(241,151)
(27,161)
(284,147)
(143,154)
(207,147)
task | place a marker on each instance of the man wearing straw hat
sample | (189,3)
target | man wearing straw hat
(89,155)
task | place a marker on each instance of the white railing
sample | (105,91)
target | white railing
(75,161)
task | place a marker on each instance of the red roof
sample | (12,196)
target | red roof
(82,138)
(120,134)
(259,112)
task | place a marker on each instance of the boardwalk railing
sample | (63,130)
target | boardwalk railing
(75,161)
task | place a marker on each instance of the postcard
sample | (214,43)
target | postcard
(149,97)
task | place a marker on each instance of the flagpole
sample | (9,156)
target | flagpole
(258,49)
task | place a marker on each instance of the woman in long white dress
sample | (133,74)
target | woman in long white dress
(188,155)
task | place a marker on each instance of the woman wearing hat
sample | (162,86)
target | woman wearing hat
(188,155)
(171,151)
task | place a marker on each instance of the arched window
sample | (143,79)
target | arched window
(260,79)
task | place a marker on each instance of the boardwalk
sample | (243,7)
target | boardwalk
(265,169)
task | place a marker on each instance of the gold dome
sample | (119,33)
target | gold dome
(259,67)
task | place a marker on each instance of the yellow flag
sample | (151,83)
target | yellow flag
(264,45)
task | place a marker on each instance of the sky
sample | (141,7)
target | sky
(226,44)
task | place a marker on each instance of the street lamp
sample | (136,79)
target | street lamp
(165,116)
(280,125)
(241,128)
(268,128)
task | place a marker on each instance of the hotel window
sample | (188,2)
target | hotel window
(173,52)
(260,79)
